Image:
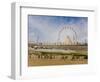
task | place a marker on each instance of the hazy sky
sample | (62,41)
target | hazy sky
(47,28)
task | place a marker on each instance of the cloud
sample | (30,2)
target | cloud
(46,28)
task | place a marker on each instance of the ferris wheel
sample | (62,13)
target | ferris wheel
(67,35)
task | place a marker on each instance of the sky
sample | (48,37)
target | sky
(42,28)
